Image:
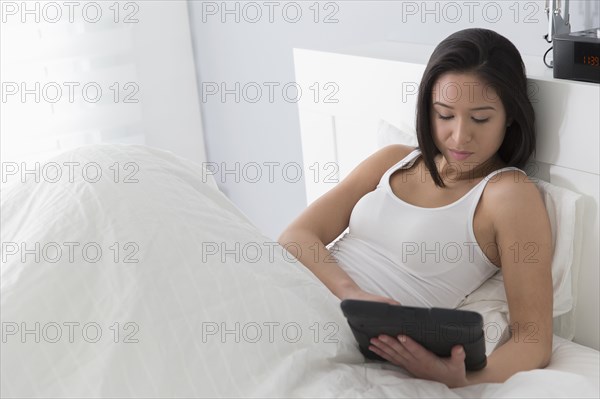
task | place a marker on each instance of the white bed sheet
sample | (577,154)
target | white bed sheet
(178,292)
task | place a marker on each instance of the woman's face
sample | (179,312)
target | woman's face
(468,120)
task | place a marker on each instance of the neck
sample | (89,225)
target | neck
(453,172)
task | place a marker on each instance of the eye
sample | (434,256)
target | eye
(445,118)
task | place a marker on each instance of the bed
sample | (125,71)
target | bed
(166,311)
(149,282)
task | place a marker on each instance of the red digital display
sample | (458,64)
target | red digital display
(587,54)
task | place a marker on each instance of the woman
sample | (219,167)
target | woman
(427,226)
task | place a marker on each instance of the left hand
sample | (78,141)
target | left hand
(420,362)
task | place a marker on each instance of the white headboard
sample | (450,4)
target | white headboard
(354,90)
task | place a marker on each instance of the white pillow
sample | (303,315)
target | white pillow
(389,134)
(494,312)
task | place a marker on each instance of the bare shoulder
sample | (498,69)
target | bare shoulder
(328,216)
(512,188)
(387,157)
(365,177)
(516,201)
(398,149)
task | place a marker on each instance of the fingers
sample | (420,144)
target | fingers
(421,354)
(458,354)
(416,350)
(391,349)
(403,350)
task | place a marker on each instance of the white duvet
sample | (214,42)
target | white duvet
(163,288)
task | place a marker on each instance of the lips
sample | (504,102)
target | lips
(460,155)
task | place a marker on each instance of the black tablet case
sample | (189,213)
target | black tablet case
(437,329)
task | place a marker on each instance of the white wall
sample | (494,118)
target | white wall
(257,132)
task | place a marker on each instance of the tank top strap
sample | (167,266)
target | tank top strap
(496,172)
(478,190)
(407,161)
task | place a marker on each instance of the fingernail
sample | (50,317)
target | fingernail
(402,338)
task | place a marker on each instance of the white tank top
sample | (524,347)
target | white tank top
(418,256)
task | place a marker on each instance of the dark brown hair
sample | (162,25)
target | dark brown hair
(496,61)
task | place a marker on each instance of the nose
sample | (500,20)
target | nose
(461,133)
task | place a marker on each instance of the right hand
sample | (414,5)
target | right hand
(365,296)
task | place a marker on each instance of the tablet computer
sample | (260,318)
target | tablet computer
(437,329)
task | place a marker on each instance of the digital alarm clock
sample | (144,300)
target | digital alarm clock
(577,56)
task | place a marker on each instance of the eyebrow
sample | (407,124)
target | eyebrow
(472,109)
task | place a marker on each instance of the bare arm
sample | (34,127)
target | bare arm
(524,239)
(312,253)
(327,217)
